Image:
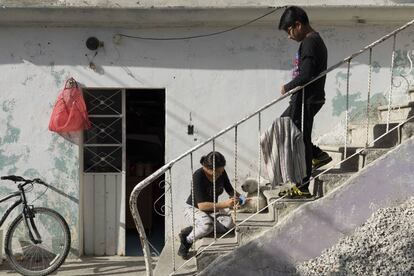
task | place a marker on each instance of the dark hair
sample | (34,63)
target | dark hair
(207,160)
(291,15)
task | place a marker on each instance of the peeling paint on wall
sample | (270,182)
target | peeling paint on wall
(376,66)
(59,75)
(357,106)
(23,151)
(31,173)
(9,135)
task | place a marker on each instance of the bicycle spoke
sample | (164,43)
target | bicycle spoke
(44,257)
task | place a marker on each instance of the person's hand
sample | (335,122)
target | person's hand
(282,90)
(232,202)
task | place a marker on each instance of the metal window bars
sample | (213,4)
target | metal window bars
(137,189)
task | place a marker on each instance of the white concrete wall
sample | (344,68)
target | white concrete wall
(218,79)
(196,3)
(150,14)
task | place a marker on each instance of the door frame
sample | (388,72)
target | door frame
(81,216)
(121,249)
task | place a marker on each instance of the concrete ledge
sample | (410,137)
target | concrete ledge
(165,266)
(102,15)
(398,113)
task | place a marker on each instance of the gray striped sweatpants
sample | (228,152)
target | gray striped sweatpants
(204,222)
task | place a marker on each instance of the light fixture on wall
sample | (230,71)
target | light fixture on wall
(92,43)
(190,126)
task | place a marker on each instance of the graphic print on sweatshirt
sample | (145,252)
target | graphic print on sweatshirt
(295,71)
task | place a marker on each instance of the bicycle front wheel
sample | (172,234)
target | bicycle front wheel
(42,258)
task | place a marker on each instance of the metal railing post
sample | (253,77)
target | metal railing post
(369,94)
(214,190)
(347,109)
(302,123)
(235,174)
(259,161)
(172,219)
(192,197)
(392,81)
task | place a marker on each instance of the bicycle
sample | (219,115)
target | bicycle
(37,241)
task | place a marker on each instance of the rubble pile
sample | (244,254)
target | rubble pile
(384,245)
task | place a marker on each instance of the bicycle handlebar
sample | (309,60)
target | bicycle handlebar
(17,178)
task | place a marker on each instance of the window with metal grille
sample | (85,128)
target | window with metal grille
(102,151)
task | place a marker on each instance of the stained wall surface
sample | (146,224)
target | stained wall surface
(218,79)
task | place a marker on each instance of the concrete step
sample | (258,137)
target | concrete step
(331,180)
(283,206)
(256,225)
(358,135)
(407,130)
(337,154)
(261,219)
(266,221)
(369,155)
(225,243)
(165,266)
(247,233)
(398,113)
(209,254)
(334,178)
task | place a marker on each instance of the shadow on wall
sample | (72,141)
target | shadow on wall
(248,48)
(62,193)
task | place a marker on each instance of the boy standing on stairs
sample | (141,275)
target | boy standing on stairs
(311,60)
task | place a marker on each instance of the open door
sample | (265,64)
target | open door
(145,139)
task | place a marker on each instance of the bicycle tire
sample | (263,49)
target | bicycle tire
(43,249)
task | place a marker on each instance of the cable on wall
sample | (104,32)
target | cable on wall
(119,35)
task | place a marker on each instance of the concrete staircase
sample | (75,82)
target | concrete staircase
(321,186)
(357,136)
(318,225)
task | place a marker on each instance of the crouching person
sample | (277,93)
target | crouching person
(203,207)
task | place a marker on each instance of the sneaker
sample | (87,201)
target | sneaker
(320,160)
(303,193)
(295,193)
(186,230)
(184,244)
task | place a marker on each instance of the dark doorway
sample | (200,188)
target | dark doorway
(145,140)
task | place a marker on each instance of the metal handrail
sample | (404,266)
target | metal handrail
(284,196)
(141,185)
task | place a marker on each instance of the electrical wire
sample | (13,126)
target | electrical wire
(203,35)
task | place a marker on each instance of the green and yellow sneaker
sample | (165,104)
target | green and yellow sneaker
(295,193)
